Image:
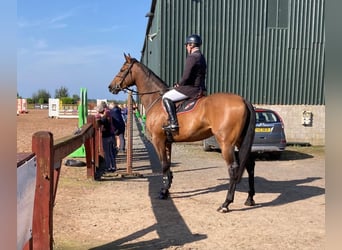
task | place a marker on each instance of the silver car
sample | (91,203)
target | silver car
(269,134)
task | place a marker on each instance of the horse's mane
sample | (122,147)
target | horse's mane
(161,84)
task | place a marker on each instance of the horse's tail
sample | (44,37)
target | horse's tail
(247,139)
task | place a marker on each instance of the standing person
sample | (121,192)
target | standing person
(119,124)
(104,121)
(192,83)
(124,112)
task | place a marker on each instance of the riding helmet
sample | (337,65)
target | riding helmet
(195,39)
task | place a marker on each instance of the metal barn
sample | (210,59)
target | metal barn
(270,51)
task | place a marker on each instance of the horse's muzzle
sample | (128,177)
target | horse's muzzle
(114,90)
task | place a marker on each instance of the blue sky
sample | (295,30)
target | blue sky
(77,43)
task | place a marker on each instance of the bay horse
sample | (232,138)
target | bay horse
(229,117)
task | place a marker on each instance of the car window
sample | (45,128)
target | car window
(266,117)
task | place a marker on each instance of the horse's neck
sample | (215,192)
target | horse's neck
(148,97)
(150,88)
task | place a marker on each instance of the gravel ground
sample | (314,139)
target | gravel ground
(123,212)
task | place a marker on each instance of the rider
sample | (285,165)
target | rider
(192,83)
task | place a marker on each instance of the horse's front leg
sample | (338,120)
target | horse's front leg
(167,173)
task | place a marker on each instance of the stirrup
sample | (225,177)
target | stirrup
(171,127)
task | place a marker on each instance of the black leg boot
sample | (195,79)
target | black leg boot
(171,110)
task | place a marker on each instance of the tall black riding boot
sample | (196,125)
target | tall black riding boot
(171,110)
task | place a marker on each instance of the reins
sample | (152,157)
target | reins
(152,104)
(142,93)
(147,93)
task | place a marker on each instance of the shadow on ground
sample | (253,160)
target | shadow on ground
(285,155)
(171,229)
(289,191)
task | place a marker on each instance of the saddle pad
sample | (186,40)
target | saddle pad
(186,106)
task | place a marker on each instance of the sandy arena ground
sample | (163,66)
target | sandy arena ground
(125,213)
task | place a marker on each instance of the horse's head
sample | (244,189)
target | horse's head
(124,78)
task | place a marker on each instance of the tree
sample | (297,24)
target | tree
(75,97)
(62,92)
(42,96)
(29,101)
(67,100)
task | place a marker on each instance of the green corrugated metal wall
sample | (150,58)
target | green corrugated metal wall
(269,51)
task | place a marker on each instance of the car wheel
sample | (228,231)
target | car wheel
(206,146)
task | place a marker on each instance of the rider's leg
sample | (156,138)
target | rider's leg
(171,110)
(168,101)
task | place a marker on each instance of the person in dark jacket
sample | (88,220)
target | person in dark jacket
(192,83)
(104,122)
(119,125)
(124,112)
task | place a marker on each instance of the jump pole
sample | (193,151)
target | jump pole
(82,119)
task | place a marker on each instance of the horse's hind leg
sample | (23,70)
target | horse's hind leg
(250,170)
(233,166)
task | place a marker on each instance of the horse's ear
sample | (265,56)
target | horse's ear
(127,57)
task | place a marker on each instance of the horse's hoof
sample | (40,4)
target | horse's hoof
(223,209)
(164,194)
(250,202)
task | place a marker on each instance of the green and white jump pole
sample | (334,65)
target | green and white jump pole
(82,119)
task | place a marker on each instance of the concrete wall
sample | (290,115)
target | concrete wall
(293,118)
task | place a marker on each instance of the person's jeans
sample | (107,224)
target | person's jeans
(122,144)
(108,148)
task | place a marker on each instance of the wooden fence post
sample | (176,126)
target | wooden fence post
(91,153)
(42,144)
(49,155)
(129,127)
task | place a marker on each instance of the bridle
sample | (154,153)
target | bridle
(123,77)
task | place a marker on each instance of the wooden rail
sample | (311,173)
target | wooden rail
(49,155)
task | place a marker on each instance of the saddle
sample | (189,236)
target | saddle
(187,105)
(183,106)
